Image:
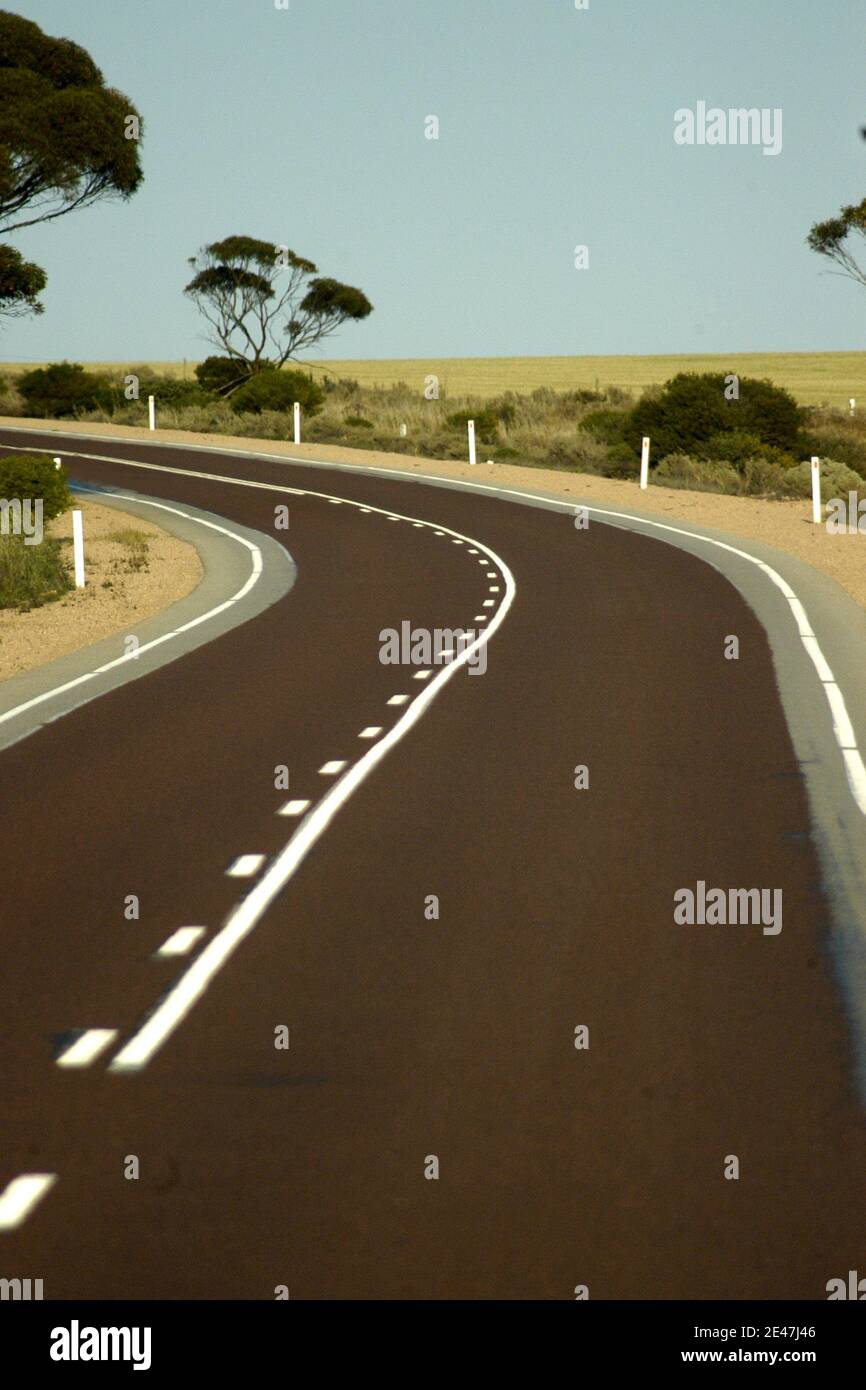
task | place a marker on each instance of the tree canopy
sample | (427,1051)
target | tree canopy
(829,238)
(21,282)
(66,141)
(265,304)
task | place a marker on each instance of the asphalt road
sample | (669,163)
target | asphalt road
(411,1037)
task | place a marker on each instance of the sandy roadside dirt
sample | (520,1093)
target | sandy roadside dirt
(120,592)
(786,525)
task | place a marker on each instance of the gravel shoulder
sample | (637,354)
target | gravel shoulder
(124,586)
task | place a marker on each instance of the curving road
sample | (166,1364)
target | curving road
(409,1036)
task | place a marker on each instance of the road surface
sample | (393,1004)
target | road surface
(413,1037)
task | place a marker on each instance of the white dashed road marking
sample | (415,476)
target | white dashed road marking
(334,766)
(21,1196)
(293,808)
(246,865)
(86,1048)
(181,942)
(372,731)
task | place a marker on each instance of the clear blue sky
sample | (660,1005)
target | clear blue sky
(306,127)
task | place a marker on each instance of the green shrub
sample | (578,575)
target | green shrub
(844,445)
(620,462)
(701,475)
(736,446)
(486,423)
(61,389)
(608,425)
(31,575)
(277,390)
(26,475)
(837,480)
(583,452)
(358,422)
(219,374)
(763,477)
(692,409)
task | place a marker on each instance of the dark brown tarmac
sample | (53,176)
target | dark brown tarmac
(412,1037)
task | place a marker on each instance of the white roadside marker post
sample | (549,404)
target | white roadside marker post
(644,461)
(816,490)
(78,547)
(851,405)
(151,412)
(471,426)
(402,431)
(297,417)
(56,462)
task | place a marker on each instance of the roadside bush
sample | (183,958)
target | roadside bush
(844,445)
(358,422)
(277,390)
(582,452)
(692,409)
(621,462)
(607,425)
(218,374)
(736,446)
(61,389)
(837,480)
(764,479)
(486,423)
(701,475)
(31,575)
(170,391)
(26,475)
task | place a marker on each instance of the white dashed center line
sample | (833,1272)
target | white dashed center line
(398,700)
(181,941)
(293,808)
(372,731)
(422,675)
(329,769)
(86,1048)
(21,1196)
(246,865)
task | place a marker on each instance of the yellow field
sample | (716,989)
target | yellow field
(813,377)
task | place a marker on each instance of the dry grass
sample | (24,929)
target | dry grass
(813,377)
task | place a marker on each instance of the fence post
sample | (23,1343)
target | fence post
(471,426)
(78,547)
(297,416)
(644,461)
(816,490)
